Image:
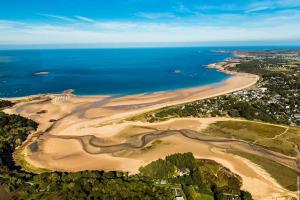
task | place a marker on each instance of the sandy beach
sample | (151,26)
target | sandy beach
(175,100)
(75,132)
(91,152)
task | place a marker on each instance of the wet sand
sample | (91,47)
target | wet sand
(97,121)
(126,150)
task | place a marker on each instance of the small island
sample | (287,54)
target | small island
(177,71)
(41,73)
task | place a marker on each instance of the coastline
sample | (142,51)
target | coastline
(227,84)
(218,66)
(67,116)
(100,109)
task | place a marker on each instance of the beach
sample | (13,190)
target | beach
(175,100)
(78,133)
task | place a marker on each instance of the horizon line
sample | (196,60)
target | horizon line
(123,45)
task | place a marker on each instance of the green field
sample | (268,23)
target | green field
(285,176)
(280,139)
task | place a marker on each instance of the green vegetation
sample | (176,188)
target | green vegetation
(163,170)
(288,179)
(245,130)
(84,185)
(252,67)
(295,63)
(196,195)
(284,140)
(293,135)
(199,179)
(153,145)
(228,105)
(28,99)
(5,103)
(14,130)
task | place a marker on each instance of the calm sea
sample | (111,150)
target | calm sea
(106,71)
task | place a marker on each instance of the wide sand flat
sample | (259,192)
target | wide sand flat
(77,130)
(71,154)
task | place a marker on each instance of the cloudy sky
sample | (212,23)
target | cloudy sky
(81,22)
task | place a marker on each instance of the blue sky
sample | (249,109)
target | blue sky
(78,22)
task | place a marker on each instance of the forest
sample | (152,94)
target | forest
(197,179)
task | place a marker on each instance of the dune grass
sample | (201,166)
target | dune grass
(281,139)
(152,146)
(285,176)
(245,130)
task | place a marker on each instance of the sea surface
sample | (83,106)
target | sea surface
(108,71)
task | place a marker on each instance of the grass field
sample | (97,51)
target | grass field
(217,173)
(285,140)
(245,130)
(199,196)
(285,176)
(293,135)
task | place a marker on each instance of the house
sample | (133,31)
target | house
(263,89)
(183,172)
(178,195)
(297,116)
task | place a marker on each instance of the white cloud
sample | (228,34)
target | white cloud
(6,24)
(63,18)
(124,32)
(72,19)
(272,4)
(85,19)
(282,25)
(256,9)
(114,25)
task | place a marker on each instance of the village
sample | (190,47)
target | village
(274,99)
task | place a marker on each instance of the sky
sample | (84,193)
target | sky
(93,22)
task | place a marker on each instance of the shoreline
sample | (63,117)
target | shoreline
(68,115)
(101,109)
(65,114)
(218,66)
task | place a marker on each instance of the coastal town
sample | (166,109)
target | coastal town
(275,98)
(280,87)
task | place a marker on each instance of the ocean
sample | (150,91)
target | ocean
(107,71)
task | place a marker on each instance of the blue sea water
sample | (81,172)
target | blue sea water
(107,71)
